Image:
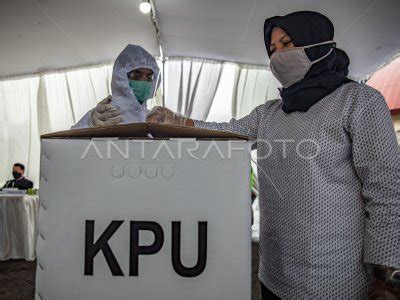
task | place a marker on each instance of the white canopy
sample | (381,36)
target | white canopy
(46,35)
(233,30)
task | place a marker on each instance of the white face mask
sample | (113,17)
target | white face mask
(291,65)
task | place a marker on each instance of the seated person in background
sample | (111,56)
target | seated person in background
(135,79)
(19,180)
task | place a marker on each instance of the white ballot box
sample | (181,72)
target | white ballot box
(144,211)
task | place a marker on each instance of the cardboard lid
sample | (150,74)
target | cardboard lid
(142,130)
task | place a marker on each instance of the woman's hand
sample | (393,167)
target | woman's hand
(161,114)
(105,114)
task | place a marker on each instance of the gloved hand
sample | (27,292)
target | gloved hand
(160,114)
(104,114)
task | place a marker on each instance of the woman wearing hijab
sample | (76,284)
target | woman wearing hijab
(329,199)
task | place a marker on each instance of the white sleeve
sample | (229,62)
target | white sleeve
(146,111)
(84,121)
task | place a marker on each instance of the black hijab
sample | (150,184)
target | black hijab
(307,28)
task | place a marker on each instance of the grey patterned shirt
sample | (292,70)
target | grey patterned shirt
(329,192)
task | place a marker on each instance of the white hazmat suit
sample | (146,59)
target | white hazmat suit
(123,99)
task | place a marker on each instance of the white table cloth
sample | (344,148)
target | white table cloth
(18,226)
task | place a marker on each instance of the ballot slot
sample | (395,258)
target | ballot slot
(104,139)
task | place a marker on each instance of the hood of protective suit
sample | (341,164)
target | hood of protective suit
(131,58)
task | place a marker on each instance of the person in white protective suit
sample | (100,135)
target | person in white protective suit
(135,79)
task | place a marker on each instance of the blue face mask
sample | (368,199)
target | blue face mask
(141,89)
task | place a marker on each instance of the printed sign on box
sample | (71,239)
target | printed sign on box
(135,218)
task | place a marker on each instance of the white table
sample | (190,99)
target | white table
(18,226)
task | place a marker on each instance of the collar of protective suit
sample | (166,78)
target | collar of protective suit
(131,58)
